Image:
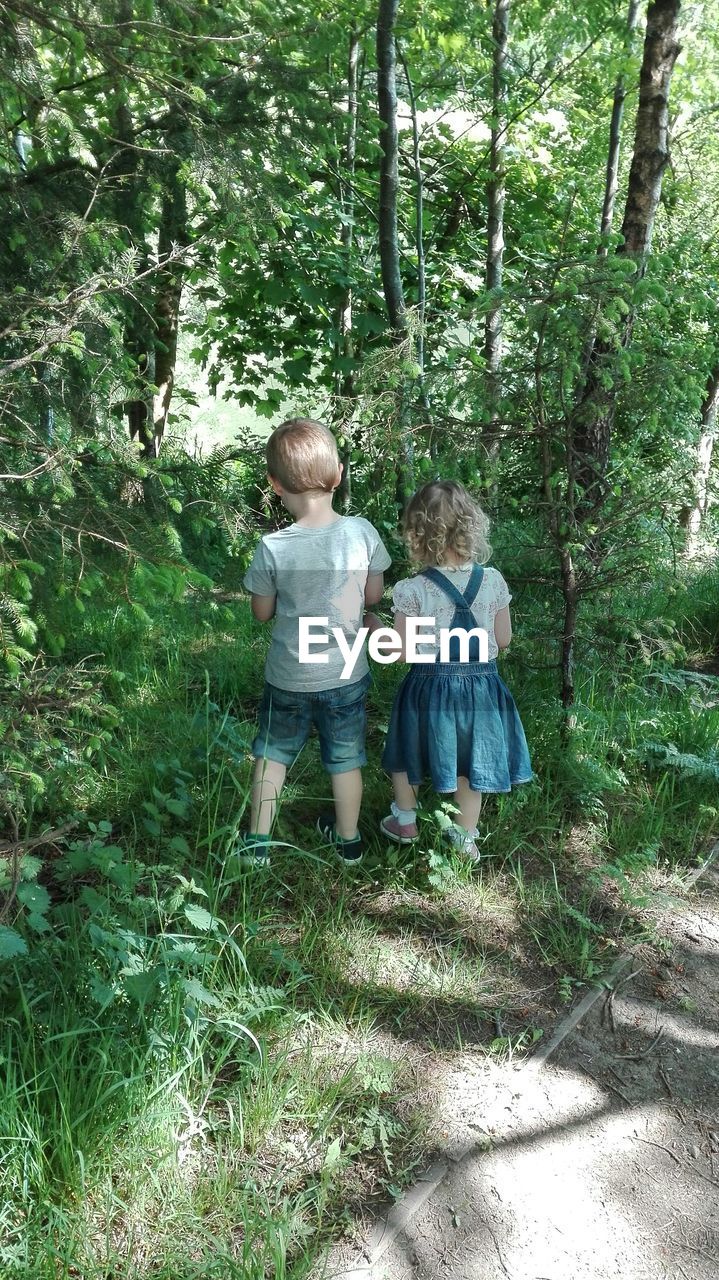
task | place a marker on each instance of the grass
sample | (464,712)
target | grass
(206,1072)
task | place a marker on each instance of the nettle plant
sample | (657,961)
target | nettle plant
(146,937)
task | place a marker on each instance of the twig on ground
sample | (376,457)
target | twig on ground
(616,1075)
(500,1259)
(635,1057)
(648,1142)
(605,1084)
(608,1011)
(666,1083)
(688,1168)
(608,1006)
(705,1176)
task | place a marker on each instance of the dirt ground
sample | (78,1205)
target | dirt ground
(601,1163)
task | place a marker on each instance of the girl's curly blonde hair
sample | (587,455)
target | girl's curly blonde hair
(442,517)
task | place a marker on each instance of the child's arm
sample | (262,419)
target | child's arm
(502,627)
(374,589)
(260,580)
(263,607)
(400,626)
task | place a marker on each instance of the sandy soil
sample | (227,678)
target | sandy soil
(603,1163)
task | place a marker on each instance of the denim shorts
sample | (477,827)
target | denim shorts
(339,715)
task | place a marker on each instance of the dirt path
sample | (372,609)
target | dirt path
(603,1163)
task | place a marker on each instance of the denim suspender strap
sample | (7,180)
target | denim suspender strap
(464,598)
(472,587)
(445,585)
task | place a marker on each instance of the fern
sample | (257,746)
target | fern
(665,755)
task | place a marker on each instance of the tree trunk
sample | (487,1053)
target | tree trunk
(569,627)
(495,225)
(346,387)
(705,448)
(388,228)
(420,345)
(172,235)
(128,204)
(389,173)
(595,412)
(651,143)
(615,129)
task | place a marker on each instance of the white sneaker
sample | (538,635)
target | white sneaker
(463,843)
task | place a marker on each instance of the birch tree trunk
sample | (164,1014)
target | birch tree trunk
(345,383)
(594,416)
(388,227)
(348,204)
(705,448)
(389,173)
(172,236)
(419,223)
(495,225)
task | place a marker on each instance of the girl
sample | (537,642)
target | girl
(454,722)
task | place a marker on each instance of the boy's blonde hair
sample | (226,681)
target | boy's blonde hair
(442,517)
(303,456)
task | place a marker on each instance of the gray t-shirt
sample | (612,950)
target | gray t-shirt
(316,573)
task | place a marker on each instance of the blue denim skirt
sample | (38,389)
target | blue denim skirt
(452,719)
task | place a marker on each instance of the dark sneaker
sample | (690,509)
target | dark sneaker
(253,851)
(348,851)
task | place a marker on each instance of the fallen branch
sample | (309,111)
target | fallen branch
(48,837)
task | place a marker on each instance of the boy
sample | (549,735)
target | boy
(321,566)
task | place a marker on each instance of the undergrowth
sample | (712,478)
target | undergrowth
(205,1071)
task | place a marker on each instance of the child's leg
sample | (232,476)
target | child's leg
(267,782)
(469,804)
(347,792)
(341,719)
(400,825)
(405,795)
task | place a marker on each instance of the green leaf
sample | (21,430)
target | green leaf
(333,1154)
(34,896)
(140,986)
(200,917)
(30,867)
(178,844)
(92,899)
(178,807)
(101,992)
(38,922)
(11,943)
(200,994)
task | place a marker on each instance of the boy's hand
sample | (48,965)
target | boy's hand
(373,622)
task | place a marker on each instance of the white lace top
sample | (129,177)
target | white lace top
(419,598)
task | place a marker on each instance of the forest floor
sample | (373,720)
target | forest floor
(603,1161)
